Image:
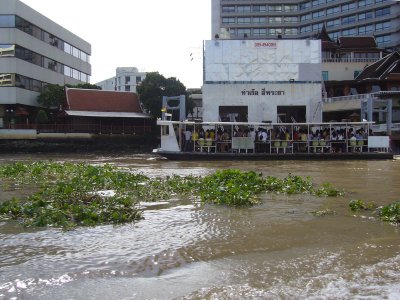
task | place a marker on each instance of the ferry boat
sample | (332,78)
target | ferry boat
(190,140)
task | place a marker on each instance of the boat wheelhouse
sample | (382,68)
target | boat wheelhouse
(184,140)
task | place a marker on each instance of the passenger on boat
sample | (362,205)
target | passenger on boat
(188,140)
(201,133)
(225,141)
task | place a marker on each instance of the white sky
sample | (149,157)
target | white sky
(152,35)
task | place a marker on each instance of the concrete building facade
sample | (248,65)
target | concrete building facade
(126,80)
(256,19)
(34,52)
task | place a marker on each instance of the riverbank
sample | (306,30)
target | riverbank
(100,144)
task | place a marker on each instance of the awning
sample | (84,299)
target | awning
(106,114)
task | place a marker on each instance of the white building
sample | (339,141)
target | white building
(126,79)
(262,80)
(34,52)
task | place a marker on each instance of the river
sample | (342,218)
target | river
(185,250)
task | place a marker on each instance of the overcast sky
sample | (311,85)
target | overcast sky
(152,35)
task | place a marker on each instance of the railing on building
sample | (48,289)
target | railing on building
(349,60)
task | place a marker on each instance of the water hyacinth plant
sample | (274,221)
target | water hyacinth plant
(390,213)
(70,194)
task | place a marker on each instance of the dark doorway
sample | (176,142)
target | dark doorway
(292,114)
(233,113)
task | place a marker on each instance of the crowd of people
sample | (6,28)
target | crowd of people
(265,139)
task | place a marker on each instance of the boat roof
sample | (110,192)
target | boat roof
(261,124)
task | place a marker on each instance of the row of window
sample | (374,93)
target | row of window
(259,8)
(13,21)
(256,32)
(42,61)
(347,6)
(16,80)
(259,20)
(336,10)
(295,7)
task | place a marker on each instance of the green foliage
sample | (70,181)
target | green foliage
(41,117)
(231,187)
(68,195)
(53,96)
(390,213)
(328,190)
(356,205)
(154,87)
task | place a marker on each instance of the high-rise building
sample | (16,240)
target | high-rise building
(126,80)
(267,19)
(34,52)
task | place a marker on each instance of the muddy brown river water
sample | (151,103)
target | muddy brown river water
(184,250)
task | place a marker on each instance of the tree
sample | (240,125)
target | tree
(53,96)
(41,117)
(154,87)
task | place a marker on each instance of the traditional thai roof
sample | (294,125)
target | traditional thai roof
(384,69)
(86,102)
(357,42)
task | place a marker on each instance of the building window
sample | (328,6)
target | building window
(362,3)
(365,16)
(305,5)
(349,32)
(7,21)
(275,31)
(259,8)
(382,26)
(318,14)
(318,2)
(127,88)
(333,23)
(365,29)
(317,27)
(305,29)
(138,79)
(244,20)
(228,9)
(290,20)
(291,31)
(349,6)
(349,19)
(289,8)
(259,31)
(275,8)
(259,20)
(383,39)
(228,20)
(7,50)
(242,31)
(333,10)
(244,8)
(382,12)
(127,79)
(305,17)
(275,20)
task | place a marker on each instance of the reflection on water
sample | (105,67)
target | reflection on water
(185,250)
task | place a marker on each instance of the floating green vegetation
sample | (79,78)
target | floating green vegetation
(75,194)
(357,205)
(390,213)
(325,212)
